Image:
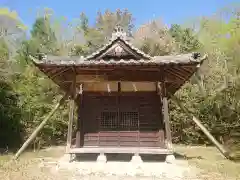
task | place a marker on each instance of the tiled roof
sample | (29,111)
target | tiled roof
(157,60)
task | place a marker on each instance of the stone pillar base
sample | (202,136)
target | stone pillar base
(102,158)
(136,159)
(66,158)
(170,158)
(78,139)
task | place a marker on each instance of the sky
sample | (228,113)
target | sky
(169,11)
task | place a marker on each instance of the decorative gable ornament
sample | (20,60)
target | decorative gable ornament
(119,32)
(118,50)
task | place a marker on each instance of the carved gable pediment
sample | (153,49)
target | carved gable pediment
(118,48)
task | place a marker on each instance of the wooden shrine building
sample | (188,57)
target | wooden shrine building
(122,96)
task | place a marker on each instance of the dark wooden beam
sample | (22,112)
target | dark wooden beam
(79,119)
(126,76)
(59,72)
(180,72)
(159,92)
(175,74)
(107,68)
(189,69)
(167,123)
(71,114)
(166,113)
(123,150)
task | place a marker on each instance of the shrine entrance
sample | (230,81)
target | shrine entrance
(122,119)
(122,96)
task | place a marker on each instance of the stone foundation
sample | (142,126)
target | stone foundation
(102,158)
(136,159)
(170,159)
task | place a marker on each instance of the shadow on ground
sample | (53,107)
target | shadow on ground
(185,157)
(128,157)
(120,157)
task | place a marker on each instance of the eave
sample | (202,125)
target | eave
(175,69)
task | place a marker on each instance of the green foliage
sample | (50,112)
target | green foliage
(3,58)
(185,38)
(3,51)
(38,96)
(95,36)
(215,98)
(10,117)
(10,112)
(43,36)
(154,39)
(37,92)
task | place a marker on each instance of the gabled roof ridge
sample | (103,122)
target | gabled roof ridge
(137,50)
(118,36)
(100,49)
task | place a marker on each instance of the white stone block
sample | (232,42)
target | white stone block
(170,158)
(136,159)
(102,158)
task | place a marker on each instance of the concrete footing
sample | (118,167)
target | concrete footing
(170,158)
(102,158)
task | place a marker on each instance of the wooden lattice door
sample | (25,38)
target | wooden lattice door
(119,129)
(127,120)
(119,121)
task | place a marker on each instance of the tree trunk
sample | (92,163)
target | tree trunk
(200,125)
(38,129)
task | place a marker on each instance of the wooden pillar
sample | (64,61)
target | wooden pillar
(79,120)
(71,114)
(163,90)
(118,105)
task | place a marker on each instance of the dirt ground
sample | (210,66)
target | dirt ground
(194,163)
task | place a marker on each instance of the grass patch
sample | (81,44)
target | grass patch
(213,164)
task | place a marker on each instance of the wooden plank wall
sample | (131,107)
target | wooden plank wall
(149,132)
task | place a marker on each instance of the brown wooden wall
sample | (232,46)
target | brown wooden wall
(121,119)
